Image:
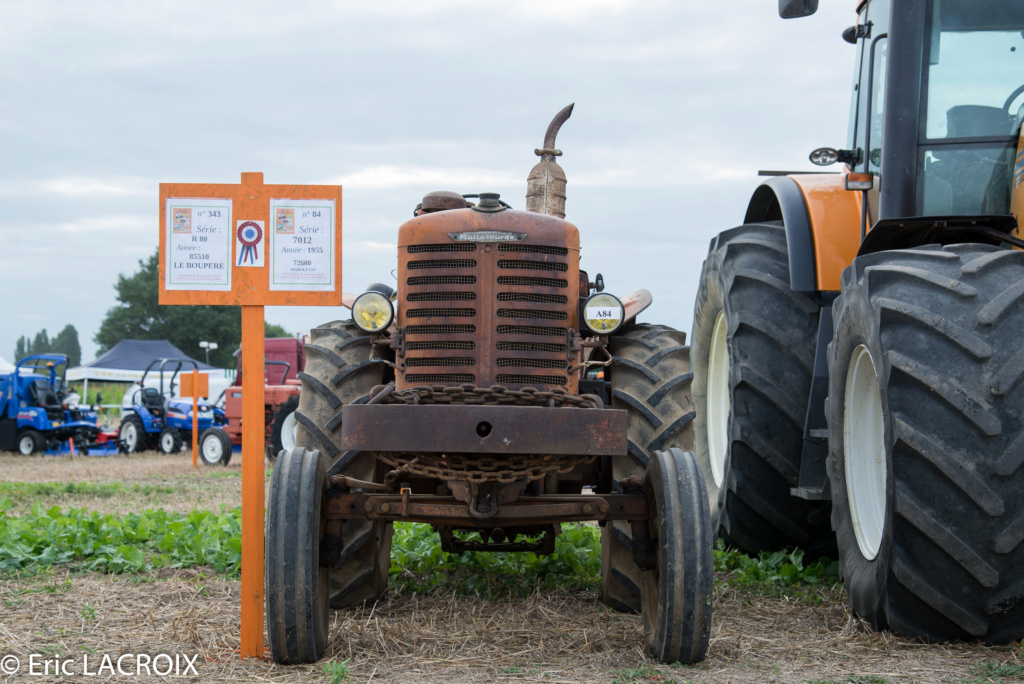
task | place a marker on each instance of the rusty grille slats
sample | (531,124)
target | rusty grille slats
(440,329)
(440,313)
(441,280)
(533,283)
(450,247)
(533,313)
(532,380)
(441,361)
(436,345)
(523,264)
(531,346)
(534,249)
(441,296)
(530,330)
(518,362)
(441,264)
(430,378)
(531,297)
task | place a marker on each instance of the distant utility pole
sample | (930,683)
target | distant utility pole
(207,346)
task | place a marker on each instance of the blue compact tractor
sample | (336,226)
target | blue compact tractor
(36,410)
(150,418)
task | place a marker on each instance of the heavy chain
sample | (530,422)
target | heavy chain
(484,468)
(495,394)
(479,469)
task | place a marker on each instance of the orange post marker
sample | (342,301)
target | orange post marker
(195,385)
(252,481)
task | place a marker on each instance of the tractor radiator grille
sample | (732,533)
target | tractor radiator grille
(522,309)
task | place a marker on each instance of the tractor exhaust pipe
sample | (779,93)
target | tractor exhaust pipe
(545,186)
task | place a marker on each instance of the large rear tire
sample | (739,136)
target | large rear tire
(297,587)
(338,372)
(131,436)
(650,379)
(754,342)
(677,592)
(926,441)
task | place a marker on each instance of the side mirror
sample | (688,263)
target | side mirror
(793,9)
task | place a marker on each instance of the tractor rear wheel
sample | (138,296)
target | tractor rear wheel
(677,592)
(650,380)
(339,371)
(131,436)
(297,587)
(754,341)
(283,427)
(926,441)
(31,442)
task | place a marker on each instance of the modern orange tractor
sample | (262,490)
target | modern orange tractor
(857,351)
(467,400)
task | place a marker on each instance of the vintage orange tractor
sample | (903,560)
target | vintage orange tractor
(466,400)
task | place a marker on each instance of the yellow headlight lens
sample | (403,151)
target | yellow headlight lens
(603,313)
(372,312)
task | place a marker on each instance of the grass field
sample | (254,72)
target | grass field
(774,621)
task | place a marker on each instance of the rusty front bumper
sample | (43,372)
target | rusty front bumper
(487,429)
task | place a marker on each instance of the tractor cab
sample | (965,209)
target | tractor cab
(941,83)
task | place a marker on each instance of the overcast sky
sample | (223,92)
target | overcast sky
(678,105)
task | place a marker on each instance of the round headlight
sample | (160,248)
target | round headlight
(603,313)
(372,312)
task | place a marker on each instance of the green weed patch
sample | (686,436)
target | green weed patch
(103,490)
(772,571)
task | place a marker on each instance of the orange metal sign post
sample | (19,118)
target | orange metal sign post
(195,385)
(251,245)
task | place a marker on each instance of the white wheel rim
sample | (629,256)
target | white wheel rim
(864,449)
(167,442)
(130,436)
(26,445)
(288,430)
(211,449)
(718,402)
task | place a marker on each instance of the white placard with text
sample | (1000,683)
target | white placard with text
(301,244)
(199,238)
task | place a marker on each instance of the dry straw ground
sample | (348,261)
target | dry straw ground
(551,637)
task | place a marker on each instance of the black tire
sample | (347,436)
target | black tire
(296,586)
(131,436)
(677,593)
(938,554)
(338,372)
(650,379)
(31,442)
(170,441)
(215,447)
(749,435)
(284,420)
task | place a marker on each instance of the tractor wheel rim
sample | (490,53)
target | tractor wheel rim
(130,436)
(288,429)
(864,450)
(26,445)
(167,442)
(719,404)
(212,452)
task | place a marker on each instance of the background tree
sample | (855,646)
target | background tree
(65,342)
(138,316)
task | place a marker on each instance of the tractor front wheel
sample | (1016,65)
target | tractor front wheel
(170,441)
(131,436)
(297,587)
(676,593)
(31,442)
(214,446)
